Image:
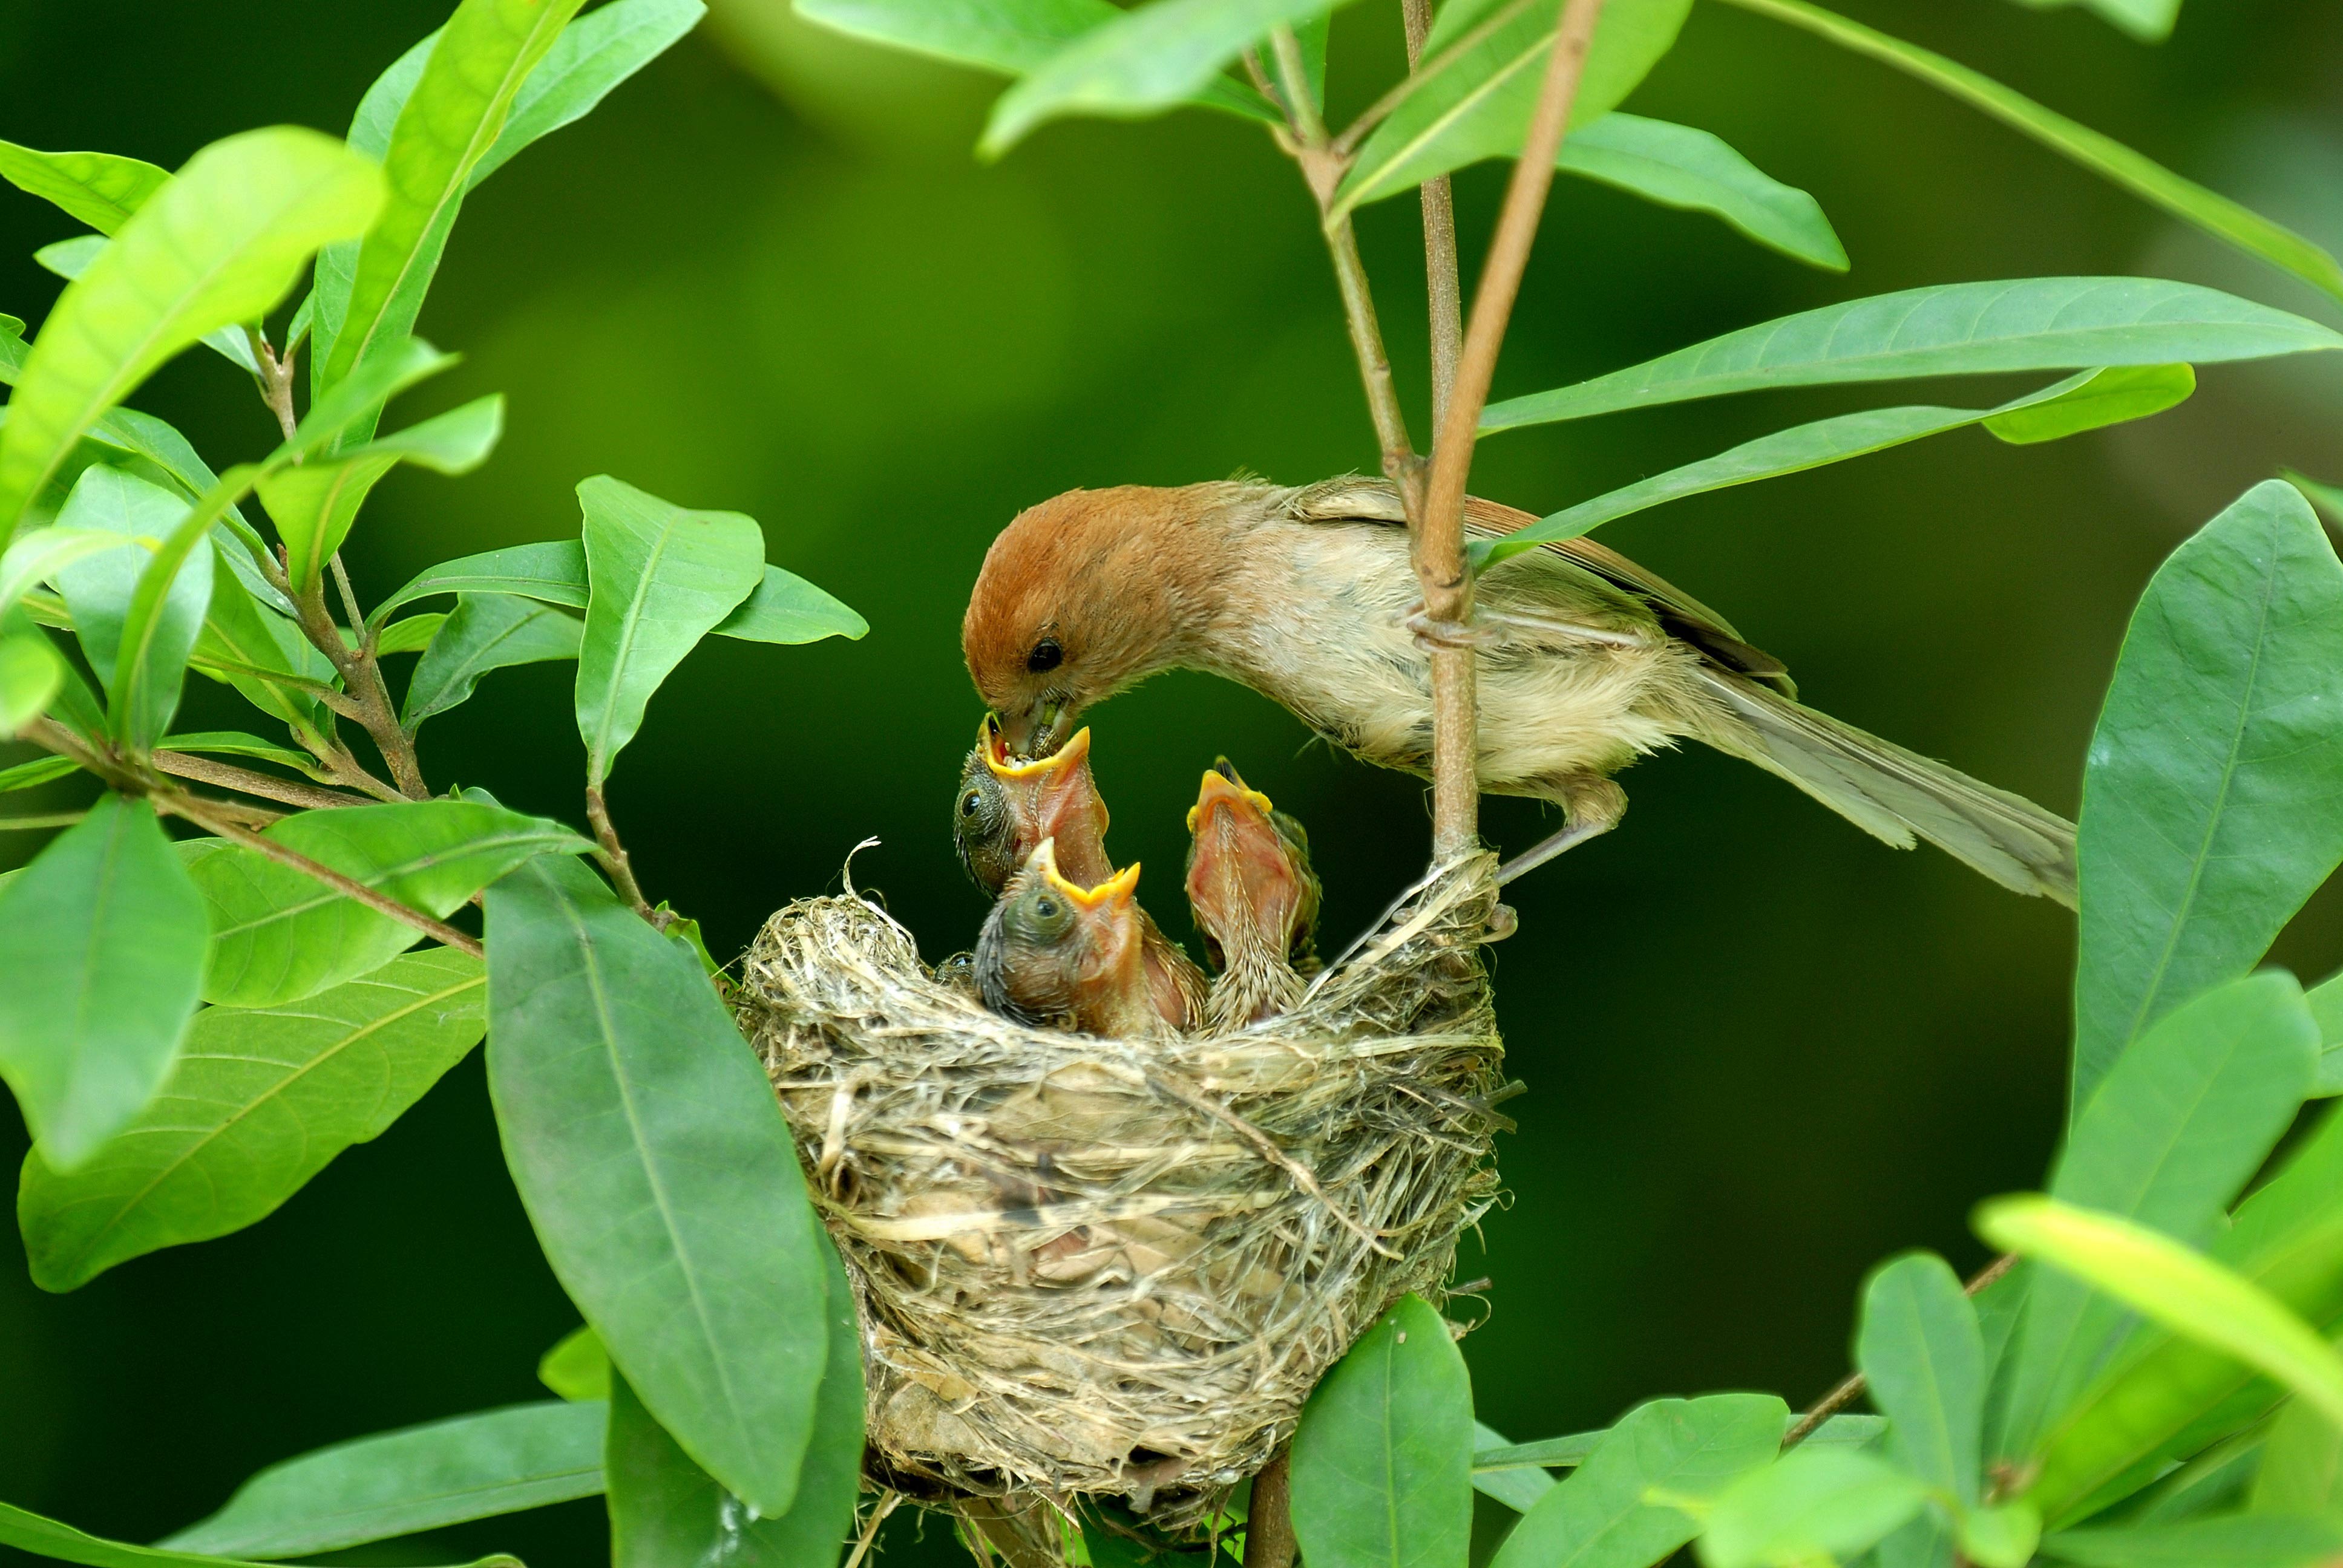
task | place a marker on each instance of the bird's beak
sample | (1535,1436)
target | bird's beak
(1222,789)
(1240,870)
(1058,785)
(1109,897)
(1037,730)
(1108,912)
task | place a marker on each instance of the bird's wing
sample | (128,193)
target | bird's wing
(1377,500)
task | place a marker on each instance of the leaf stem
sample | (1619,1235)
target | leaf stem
(614,857)
(276,380)
(1269,1523)
(1440,537)
(1444,294)
(1851,1387)
(226,776)
(368,699)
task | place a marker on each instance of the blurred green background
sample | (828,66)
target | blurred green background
(1763,1050)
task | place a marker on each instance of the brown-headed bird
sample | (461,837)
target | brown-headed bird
(1255,900)
(1587,662)
(1062,956)
(1005,809)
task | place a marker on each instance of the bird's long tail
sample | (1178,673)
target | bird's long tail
(1894,794)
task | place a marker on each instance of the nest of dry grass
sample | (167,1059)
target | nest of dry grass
(1101,1267)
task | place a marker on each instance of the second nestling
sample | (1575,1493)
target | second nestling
(1067,944)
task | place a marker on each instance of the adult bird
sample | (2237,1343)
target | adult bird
(1586,660)
(1255,899)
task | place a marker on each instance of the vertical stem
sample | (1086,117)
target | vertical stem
(1269,1523)
(1446,294)
(1439,556)
(614,857)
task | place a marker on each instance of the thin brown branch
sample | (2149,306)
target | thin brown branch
(226,776)
(368,699)
(275,381)
(204,814)
(1440,543)
(614,857)
(1268,1521)
(1445,295)
(1851,1387)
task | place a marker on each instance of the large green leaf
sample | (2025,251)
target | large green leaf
(1518,1487)
(2161,1397)
(2302,1464)
(69,258)
(663,578)
(259,1102)
(417,1478)
(2183,1290)
(239,631)
(553,571)
(1920,1352)
(1606,1514)
(219,244)
(2180,1123)
(785,607)
(2086,401)
(2213,794)
(1137,63)
(1678,166)
(145,437)
(1383,1460)
(31,676)
(665,1510)
(102,939)
(2103,156)
(102,189)
(487,631)
(29,1532)
(655,1165)
(593,56)
(1479,83)
(2249,1541)
(446,127)
(2149,21)
(279,934)
(99,591)
(1812,1504)
(577,1367)
(314,504)
(1948,329)
(38,556)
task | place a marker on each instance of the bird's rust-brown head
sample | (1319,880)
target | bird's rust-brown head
(1088,593)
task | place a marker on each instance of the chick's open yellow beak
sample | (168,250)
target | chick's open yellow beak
(1219,789)
(1111,895)
(994,748)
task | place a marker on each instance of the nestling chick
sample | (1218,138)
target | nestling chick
(1005,809)
(1066,957)
(1255,899)
(1306,595)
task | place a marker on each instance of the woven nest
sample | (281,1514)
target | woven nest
(1101,1267)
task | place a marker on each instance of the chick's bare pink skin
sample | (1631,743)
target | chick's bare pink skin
(1063,956)
(1254,898)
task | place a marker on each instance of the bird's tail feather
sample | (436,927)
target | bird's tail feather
(1894,794)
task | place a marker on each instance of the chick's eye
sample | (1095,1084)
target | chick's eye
(970,803)
(1047,909)
(1046,656)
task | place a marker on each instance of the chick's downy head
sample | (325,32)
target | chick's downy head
(1248,877)
(1055,953)
(1005,808)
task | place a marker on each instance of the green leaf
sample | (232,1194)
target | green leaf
(218,245)
(665,1510)
(1383,1460)
(39,770)
(1678,166)
(2185,1290)
(353,403)
(1484,61)
(39,555)
(486,632)
(2103,155)
(1607,1514)
(2002,1536)
(417,1478)
(2326,1000)
(43,1537)
(99,590)
(1813,1503)
(235,743)
(314,504)
(2149,21)
(31,676)
(69,258)
(145,436)
(663,578)
(1920,1350)
(553,571)
(1948,329)
(593,56)
(412,635)
(2213,792)
(239,631)
(448,124)
(661,1180)
(101,189)
(2180,1123)
(2302,1465)
(280,935)
(102,938)
(1518,1487)
(1139,63)
(785,607)
(577,1367)
(2327,498)
(1492,1453)
(2249,1541)
(2081,402)
(260,1102)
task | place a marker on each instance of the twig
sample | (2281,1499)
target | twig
(615,858)
(227,776)
(1269,1521)
(1439,542)
(275,381)
(1445,295)
(368,699)
(1851,1388)
(29,824)
(203,815)
(879,1511)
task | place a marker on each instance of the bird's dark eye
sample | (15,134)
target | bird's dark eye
(1046,908)
(1046,654)
(970,803)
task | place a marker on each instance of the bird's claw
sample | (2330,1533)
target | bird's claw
(1452,635)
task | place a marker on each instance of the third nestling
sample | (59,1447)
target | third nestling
(1255,899)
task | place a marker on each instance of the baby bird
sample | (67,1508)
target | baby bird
(1255,898)
(1060,956)
(1005,809)
(1306,595)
